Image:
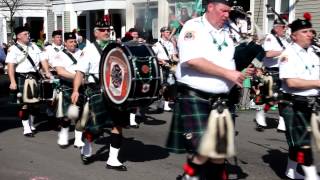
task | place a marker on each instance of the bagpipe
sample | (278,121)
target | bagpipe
(248,48)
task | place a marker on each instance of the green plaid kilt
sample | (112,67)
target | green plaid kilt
(66,93)
(101,114)
(297,116)
(189,121)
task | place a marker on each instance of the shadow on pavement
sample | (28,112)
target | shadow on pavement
(148,120)
(131,150)
(277,161)
(235,171)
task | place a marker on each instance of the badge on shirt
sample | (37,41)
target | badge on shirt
(268,39)
(189,35)
(283,58)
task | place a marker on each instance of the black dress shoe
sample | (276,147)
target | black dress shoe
(260,128)
(86,160)
(118,168)
(29,135)
(280,131)
(134,126)
(63,146)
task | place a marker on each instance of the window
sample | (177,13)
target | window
(59,22)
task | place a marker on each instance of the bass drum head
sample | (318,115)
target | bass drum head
(115,74)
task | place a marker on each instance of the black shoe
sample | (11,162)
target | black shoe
(86,160)
(134,126)
(280,131)
(259,128)
(63,146)
(29,135)
(117,168)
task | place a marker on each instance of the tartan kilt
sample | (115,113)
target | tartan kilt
(66,93)
(101,114)
(297,117)
(189,122)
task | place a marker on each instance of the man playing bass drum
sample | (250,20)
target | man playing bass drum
(88,69)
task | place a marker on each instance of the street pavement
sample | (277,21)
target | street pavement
(260,155)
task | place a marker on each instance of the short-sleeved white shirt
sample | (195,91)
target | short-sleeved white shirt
(51,51)
(63,60)
(160,52)
(271,44)
(89,62)
(196,41)
(23,65)
(300,64)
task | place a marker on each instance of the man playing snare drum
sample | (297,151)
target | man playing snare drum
(103,114)
(23,61)
(65,64)
(167,58)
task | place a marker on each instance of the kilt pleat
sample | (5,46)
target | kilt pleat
(189,121)
(297,118)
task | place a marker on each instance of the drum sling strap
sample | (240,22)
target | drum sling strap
(70,56)
(279,41)
(166,51)
(28,57)
(97,46)
(56,49)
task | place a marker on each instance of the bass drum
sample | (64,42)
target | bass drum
(130,75)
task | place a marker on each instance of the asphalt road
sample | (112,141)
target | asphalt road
(260,155)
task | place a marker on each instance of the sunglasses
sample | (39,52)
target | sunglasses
(103,30)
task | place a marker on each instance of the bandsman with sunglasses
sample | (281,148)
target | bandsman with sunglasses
(101,113)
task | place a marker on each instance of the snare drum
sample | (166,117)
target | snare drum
(130,75)
(48,89)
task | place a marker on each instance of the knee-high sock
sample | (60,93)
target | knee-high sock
(133,119)
(216,171)
(78,139)
(291,171)
(310,172)
(192,169)
(86,150)
(31,122)
(63,136)
(26,126)
(260,118)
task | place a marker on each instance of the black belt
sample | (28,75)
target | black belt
(298,98)
(272,69)
(24,75)
(187,90)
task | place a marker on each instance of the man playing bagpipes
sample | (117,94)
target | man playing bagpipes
(300,76)
(23,61)
(97,110)
(65,64)
(201,124)
(274,44)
